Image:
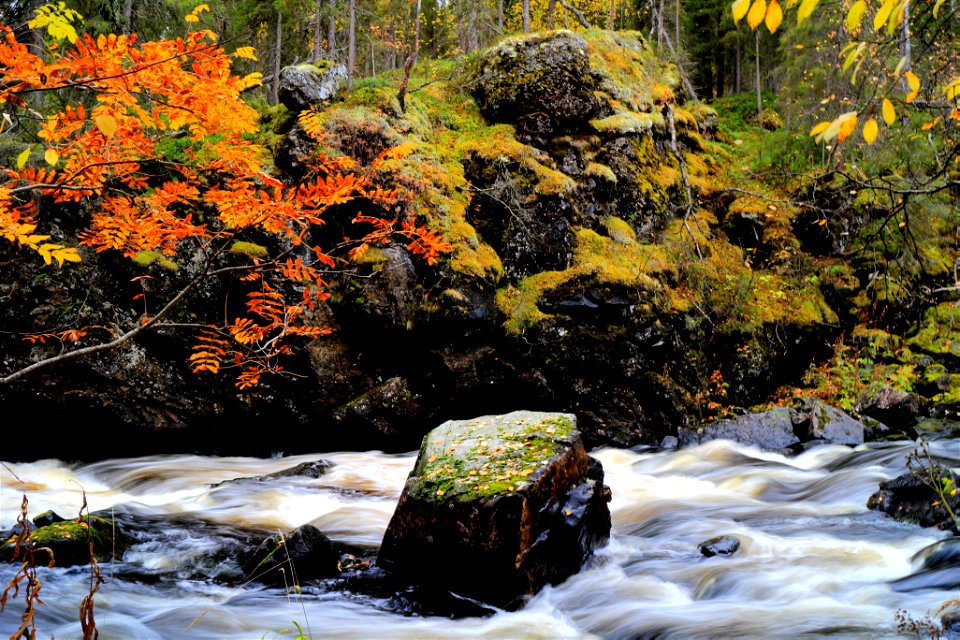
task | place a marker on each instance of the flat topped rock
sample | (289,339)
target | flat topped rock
(466,460)
(497,507)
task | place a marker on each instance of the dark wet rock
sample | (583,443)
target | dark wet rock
(302,555)
(305,84)
(820,422)
(67,543)
(314,469)
(897,409)
(541,82)
(950,622)
(909,498)
(47,518)
(939,568)
(378,411)
(497,507)
(773,430)
(719,546)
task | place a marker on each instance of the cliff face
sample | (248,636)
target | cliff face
(598,267)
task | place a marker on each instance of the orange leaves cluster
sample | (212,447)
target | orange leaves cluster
(148,198)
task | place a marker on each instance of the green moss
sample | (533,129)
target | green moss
(602,171)
(147,258)
(940,333)
(478,459)
(619,259)
(249,249)
(519,303)
(629,122)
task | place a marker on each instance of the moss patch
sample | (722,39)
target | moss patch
(468,460)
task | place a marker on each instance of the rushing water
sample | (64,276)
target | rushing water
(814,562)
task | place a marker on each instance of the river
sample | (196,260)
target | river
(813,562)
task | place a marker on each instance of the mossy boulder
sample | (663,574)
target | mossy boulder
(540,82)
(67,543)
(497,507)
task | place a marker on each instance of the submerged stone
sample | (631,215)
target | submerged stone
(497,507)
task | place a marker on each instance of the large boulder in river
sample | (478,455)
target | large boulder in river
(497,507)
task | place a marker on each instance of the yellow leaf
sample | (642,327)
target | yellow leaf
(805,10)
(740,8)
(847,127)
(936,9)
(931,124)
(23,157)
(853,55)
(191,18)
(774,16)
(819,128)
(106,124)
(896,17)
(757,12)
(855,15)
(900,65)
(52,157)
(870,130)
(881,18)
(953,90)
(245,52)
(889,114)
(914,83)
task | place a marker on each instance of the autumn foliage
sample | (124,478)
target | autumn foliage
(108,153)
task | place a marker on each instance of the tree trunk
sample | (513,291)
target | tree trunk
(551,14)
(738,72)
(500,16)
(332,32)
(905,43)
(676,26)
(127,16)
(277,42)
(411,60)
(613,15)
(526,16)
(756,35)
(352,44)
(660,31)
(317,32)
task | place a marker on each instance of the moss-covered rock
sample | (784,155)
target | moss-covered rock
(497,507)
(70,542)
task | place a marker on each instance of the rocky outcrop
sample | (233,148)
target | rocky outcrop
(497,507)
(911,498)
(306,84)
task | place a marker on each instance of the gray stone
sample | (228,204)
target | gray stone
(305,84)
(773,430)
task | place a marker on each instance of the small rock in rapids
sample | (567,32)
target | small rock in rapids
(719,546)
